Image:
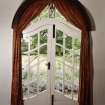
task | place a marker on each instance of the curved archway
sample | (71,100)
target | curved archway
(75,14)
(74,3)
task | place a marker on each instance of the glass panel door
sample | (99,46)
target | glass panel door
(50,65)
(67,58)
(34,63)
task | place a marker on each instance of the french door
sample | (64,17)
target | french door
(50,62)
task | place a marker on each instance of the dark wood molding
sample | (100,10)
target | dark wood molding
(25,4)
(85,13)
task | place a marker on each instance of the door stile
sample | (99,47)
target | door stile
(53,59)
(49,44)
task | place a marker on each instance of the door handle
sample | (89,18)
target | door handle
(54,31)
(49,65)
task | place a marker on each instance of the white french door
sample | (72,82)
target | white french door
(51,63)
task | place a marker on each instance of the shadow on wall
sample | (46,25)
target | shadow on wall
(93,25)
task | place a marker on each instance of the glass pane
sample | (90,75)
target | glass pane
(43,69)
(33,77)
(68,82)
(59,76)
(43,76)
(59,52)
(33,65)
(24,47)
(76,76)
(76,43)
(33,57)
(24,60)
(43,36)
(59,69)
(77,59)
(59,37)
(76,85)
(24,74)
(33,41)
(33,88)
(68,57)
(25,91)
(24,67)
(33,72)
(68,42)
(44,14)
(43,53)
(24,50)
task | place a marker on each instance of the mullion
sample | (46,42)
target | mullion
(73,67)
(63,47)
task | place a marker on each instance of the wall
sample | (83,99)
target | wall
(7,10)
(97,9)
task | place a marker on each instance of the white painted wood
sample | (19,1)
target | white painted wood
(49,60)
(53,46)
(65,26)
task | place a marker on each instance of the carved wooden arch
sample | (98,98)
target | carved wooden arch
(75,3)
(75,13)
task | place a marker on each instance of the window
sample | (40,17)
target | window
(35,58)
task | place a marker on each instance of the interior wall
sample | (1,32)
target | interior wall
(7,11)
(97,9)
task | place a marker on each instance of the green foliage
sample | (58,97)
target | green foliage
(24,75)
(59,51)
(77,44)
(59,37)
(43,50)
(34,41)
(43,36)
(68,42)
(24,47)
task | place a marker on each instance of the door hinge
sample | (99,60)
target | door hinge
(53,30)
(49,65)
(52,99)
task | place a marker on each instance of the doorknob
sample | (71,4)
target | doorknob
(49,65)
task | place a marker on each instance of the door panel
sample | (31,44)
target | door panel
(66,72)
(35,71)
